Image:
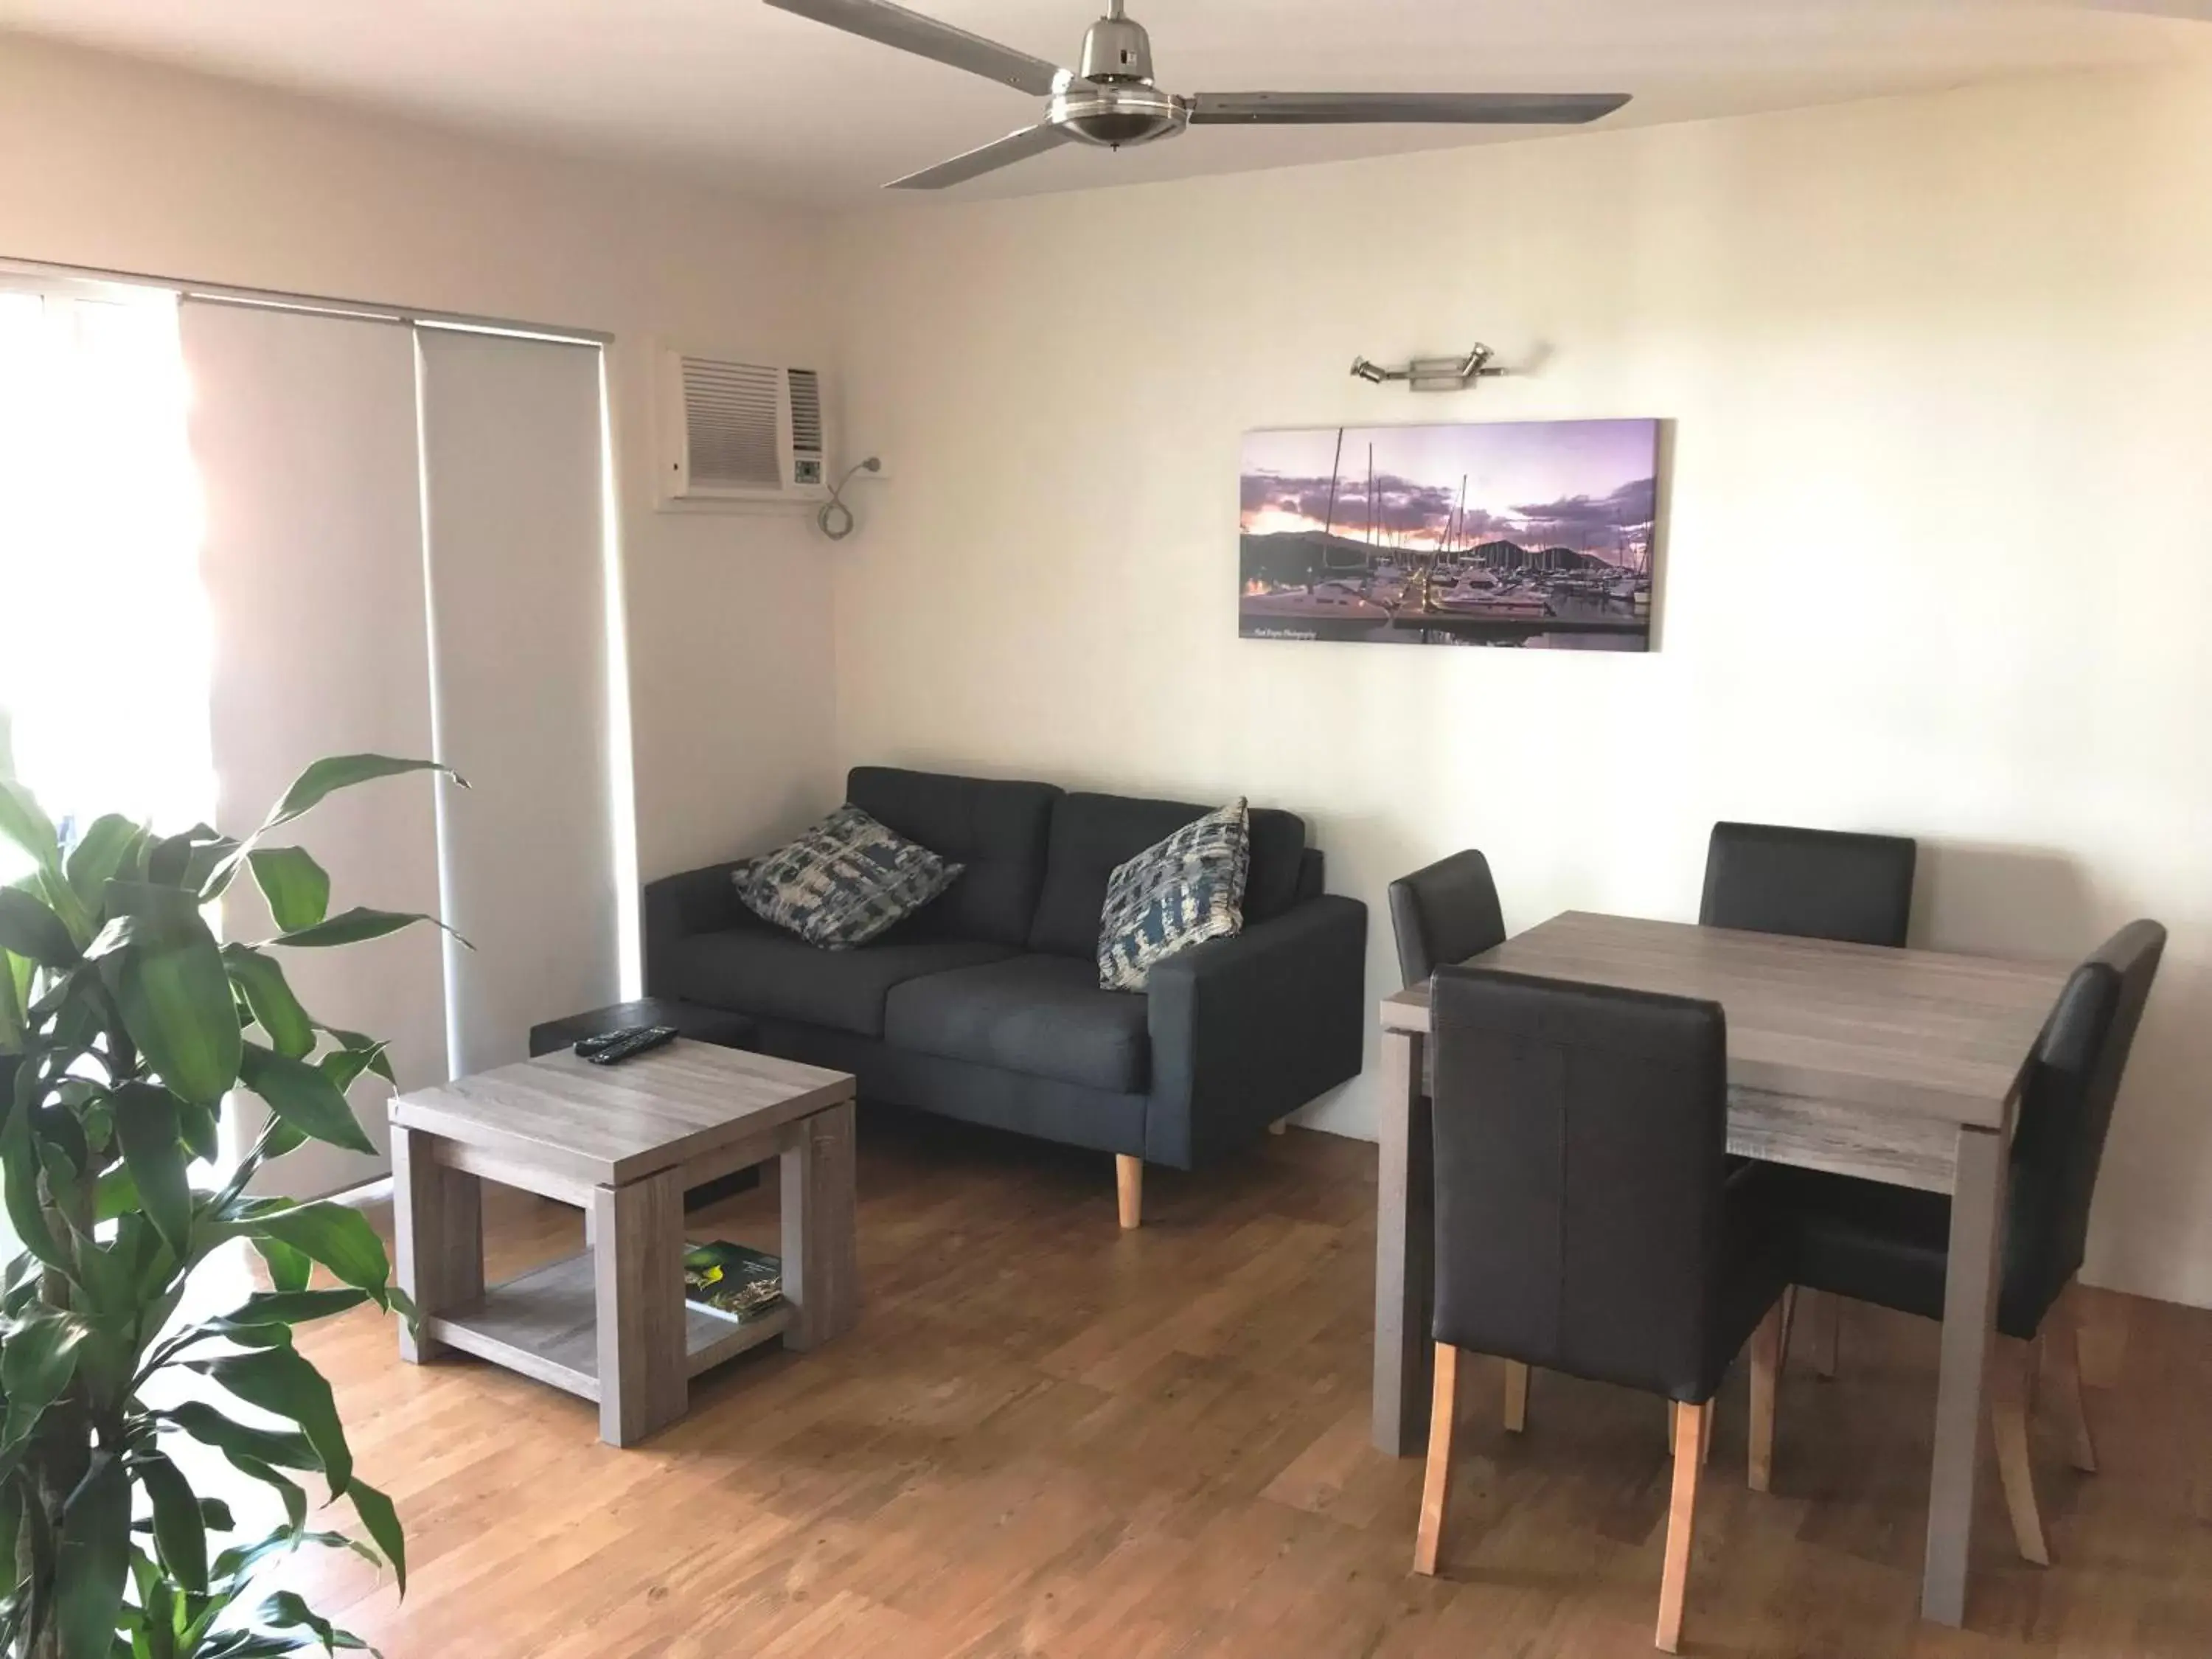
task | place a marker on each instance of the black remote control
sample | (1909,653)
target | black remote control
(633,1043)
(586,1046)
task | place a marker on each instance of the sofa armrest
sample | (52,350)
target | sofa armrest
(1245,1030)
(677,906)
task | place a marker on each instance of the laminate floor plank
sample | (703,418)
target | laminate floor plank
(1047,1438)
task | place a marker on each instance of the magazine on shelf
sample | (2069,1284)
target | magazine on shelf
(731,1281)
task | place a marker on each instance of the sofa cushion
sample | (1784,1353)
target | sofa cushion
(1094,835)
(843,882)
(996,828)
(778,976)
(1176,893)
(1043,1015)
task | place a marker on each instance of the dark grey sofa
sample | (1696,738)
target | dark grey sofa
(985,1005)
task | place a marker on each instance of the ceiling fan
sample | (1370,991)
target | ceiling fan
(1112,101)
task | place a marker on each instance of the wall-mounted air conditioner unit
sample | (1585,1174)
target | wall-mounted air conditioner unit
(740,434)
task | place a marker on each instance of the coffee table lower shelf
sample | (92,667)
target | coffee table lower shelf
(544,1325)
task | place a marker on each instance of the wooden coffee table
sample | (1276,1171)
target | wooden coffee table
(624,1142)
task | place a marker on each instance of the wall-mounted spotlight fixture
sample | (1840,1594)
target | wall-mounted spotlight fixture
(835,519)
(1432,374)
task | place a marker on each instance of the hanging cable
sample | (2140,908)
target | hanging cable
(835,519)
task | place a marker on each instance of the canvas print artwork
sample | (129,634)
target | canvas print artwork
(1535,534)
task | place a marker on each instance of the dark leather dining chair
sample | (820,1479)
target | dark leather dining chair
(1889,1245)
(1586,1218)
(1816,883)
(1446,912)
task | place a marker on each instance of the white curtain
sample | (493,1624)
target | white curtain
(304,428)
(512,480)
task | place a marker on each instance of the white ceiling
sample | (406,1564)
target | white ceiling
(771,104)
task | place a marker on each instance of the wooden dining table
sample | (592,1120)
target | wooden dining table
(1898,1066)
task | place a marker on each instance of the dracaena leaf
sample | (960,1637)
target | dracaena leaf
(303,1096)
(293,1495)
(279,1448)
(288,1269)
(40,1359)
(101,854)
(382,1521)
(338,1237)
(336,772)
(378,1060)
(297,888)
(282,1379)
(285,1611)
(180,1530)
(146,1123)
(19,1161)
(296,1307)
(23,822)
(171,993)
(270,998)
(356,926)
(33,932)
(93,1560)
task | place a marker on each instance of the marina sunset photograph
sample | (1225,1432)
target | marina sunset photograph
(1535,534)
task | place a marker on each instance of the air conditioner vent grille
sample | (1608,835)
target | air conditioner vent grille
(730,422)
(805,411)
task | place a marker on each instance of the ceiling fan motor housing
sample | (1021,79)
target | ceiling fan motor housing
(1113,102)
(1117,49)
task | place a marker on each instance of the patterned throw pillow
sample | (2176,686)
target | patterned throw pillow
(844,881)
(1176,893)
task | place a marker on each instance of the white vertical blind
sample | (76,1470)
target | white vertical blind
(512,480)
(304,430)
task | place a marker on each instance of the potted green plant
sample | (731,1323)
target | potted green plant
(124,1025)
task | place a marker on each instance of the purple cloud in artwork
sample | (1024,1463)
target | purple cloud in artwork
(1634,503)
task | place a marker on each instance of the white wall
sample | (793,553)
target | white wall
(1937,543)
(111,164)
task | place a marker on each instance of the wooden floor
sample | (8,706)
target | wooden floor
(1047,1436)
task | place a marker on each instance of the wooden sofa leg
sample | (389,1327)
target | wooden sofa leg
(1517,1396)
(1129,1187)
(1436,1479)
(1681,1521)
(1765,1370)
(2008,1426)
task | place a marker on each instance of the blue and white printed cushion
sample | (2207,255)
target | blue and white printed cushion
(1176,893)
(844,881)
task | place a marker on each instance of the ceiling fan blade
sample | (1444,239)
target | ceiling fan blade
(910,31)
(1482,108)
(989,158)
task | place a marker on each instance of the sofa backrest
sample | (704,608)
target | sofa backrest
(997,829)
(1092,834)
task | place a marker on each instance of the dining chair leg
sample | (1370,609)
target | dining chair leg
(1705,1418)
(1517,1396)
(2063,1327)
(1436,1479)
(1681,1522)
(2008,1369)
(1767,1346)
